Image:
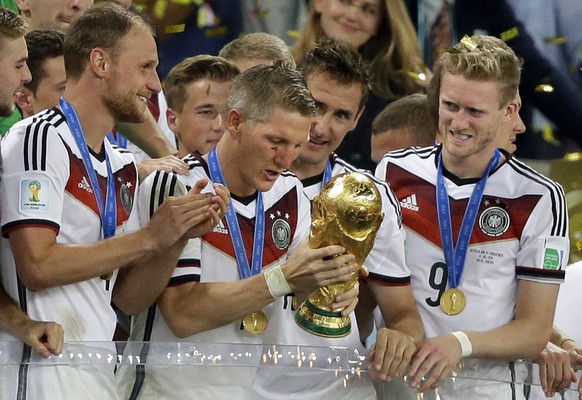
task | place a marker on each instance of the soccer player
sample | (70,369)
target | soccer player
(59,14)
(229,286)
(196,90)
(403,123)
(44,338)
(338,79)
(47,68)
(68,203)
(487,237)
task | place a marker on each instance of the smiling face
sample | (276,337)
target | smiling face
(132,77)
(263,149)
(470,121)
(13,72)
(351,21)
(337,114)
(199,124)
(57,14)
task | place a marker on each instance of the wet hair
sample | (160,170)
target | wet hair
(261,89)
(101,26)
(340,63)
(43,45)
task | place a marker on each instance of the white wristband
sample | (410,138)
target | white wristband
(276,281)
(466,346)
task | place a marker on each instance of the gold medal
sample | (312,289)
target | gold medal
(453,301)
(255,323)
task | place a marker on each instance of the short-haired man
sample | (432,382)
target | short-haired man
(403,123)
(338,79)
(196,90)
(59,14)
(71,243)
(229,286)
(487,237)
(47,67)
(44,338)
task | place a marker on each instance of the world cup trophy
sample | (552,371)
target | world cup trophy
(347,212)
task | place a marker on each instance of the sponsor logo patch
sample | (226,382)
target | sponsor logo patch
(34,195)
(410,203)
(551,259)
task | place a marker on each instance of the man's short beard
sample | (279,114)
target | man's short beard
(6,110)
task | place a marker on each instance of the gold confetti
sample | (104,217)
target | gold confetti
(509,34)
(555,40)
(544,88)
(170,29)
(215,32)
(293,34)
(469,43)
(548,135)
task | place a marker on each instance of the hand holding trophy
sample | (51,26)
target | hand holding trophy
(348,212)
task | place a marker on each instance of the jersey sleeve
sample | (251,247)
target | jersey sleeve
(545,245)
(386,262)
(152,193)
(34,177)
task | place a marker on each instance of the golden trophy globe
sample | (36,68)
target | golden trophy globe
(348,212)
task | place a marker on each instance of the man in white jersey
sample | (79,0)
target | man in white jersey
(221,291)
(68,204)
(503,228)
(148,138)
(338,79)
(45,338)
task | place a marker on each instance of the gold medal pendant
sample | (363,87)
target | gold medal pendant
(453,301)
(255,323)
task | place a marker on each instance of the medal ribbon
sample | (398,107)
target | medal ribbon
(326,173)
(244,269)
(455,256)
(107,211)
(117,139)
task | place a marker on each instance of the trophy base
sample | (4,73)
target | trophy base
(321,322)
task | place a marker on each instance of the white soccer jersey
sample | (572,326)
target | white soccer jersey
(212,259)
(521,232)
(44,184)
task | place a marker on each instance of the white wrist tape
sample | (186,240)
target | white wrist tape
(466,346)
(276,281)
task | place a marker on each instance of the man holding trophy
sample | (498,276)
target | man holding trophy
(338,80)
(230,285)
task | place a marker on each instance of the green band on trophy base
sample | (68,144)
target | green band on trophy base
(322,322)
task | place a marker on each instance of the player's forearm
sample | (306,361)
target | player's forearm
(509,342)
(12,318)
(410,324)
(61,264)
(138,286)
(209,305)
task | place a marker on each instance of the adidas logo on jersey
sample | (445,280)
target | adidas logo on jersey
(410,203)
(85,185)
(220,228)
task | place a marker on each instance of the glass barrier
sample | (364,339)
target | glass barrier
(155,370)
